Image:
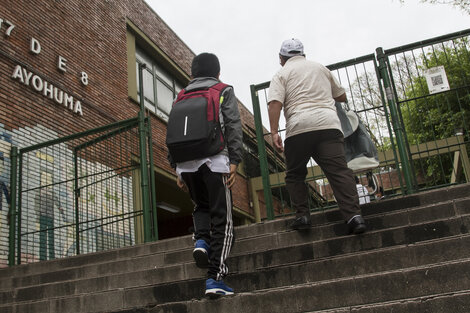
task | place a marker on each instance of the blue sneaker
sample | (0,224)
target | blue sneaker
(217,288)
(201,253)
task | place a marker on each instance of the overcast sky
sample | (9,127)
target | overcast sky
(246,35)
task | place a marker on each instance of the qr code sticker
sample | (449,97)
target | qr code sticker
(437,80)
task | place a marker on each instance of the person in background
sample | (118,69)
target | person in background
(4,191)
(362,192)
(379,195)
(45,202)
(307,92)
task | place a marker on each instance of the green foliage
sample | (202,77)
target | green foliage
(463,5)
(429,117)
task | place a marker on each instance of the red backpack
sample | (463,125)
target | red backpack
(194,130)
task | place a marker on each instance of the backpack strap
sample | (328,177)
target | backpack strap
(219,86)
(180,95)
(214,96)
(215,92)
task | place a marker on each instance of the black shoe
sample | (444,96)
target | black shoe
(357,225)
(299,223)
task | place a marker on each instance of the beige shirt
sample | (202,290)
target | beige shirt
(306,90)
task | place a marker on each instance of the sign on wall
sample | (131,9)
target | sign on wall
(28,76)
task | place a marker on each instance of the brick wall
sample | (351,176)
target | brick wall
(91,37)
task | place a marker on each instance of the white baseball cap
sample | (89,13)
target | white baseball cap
(291,47)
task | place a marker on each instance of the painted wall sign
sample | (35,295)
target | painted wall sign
(39,84)
(47,89)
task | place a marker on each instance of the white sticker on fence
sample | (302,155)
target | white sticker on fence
(436,79)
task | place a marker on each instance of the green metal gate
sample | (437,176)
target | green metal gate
(83,193)
(421,135)
(430,87)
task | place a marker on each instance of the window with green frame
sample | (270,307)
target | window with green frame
(160,88)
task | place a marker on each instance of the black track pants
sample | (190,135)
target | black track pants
(212,216)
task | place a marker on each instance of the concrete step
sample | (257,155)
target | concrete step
(451,302)
(443,278)
(375,209)
(454,302)
(184,281)
(260,229)
(406,256)
(119,261)
(405,234)
(307,250)
(282,240)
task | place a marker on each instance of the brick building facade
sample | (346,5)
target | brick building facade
(70,66)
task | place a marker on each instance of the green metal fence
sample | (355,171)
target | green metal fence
(86,192)
(421,133)
(430,82)
(77,194)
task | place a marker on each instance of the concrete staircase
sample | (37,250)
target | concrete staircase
(414,258)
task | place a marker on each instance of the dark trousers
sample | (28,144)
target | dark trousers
(326,147)
(212,216)
(46,234)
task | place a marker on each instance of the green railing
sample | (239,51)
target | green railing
(430,116)
(74,194)
(421,136)
(82,193)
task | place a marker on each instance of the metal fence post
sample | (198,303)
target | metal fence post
(12,208)
(389,127)
(152,184)
(18,210)
(143,160)
(263,160)
(397,125)
(77,196)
